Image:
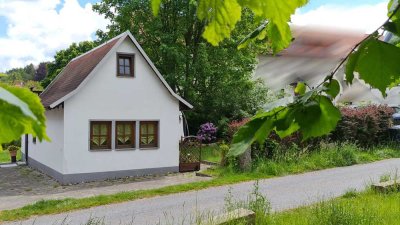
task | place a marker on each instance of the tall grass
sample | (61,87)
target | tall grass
(296,160)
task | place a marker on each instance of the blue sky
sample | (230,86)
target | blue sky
(39,28)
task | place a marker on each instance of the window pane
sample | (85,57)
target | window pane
(127,70)
(143,140)
(95,129)
(143,128)
(103,130)
(150,128)
(95,141)
(121,69)
(120,62)
(150,139)
(103,140)
(128,129)
(120,129)
(126,62)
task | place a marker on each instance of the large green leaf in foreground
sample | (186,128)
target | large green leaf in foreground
(314,116)
(377,63)
(20,113)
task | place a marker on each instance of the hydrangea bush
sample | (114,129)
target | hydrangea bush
(207,133)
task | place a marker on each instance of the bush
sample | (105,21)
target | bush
(234,126)
(367,126)
(207,133)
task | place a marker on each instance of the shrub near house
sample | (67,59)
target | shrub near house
(366,126)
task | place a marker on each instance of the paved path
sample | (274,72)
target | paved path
(16,199)
(283,193)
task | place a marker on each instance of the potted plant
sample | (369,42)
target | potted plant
(12,149)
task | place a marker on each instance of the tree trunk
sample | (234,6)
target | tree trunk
(245,160)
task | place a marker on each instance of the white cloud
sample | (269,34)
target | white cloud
(364,18)
(36,30)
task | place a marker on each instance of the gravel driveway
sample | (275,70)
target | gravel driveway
(283,192)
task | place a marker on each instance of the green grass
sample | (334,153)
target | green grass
(5,156)
(211,154)
(326,158)
(367,208)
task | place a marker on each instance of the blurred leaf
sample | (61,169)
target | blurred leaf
(20,113)
(221,17)
(393,4)
(257,129)
(155,6)
(300,88)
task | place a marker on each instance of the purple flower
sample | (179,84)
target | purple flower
(207,132)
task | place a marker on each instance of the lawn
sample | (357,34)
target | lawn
(368,208)
(211,154)
(5,156)
(327,158)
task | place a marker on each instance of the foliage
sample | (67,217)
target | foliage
(12,148)
(21,113)
(367,126)
(41,72)
(5,156)
(207,133)
(312,112)
(33,85)
(216,80)
(356,210)
(63,57)
(223,16)
(18,75)
(234,126)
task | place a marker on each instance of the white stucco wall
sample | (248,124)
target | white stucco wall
(107,97)
(49,153)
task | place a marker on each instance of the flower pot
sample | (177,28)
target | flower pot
(13,155)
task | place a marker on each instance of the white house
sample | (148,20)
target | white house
(314,54)
(109,114)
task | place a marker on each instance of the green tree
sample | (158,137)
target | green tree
(216,80)
(62,58)
(312,111)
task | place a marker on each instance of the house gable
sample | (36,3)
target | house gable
(79,71)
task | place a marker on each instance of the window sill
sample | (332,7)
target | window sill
(125,76)
(100,150)
(149,148)
(125,149)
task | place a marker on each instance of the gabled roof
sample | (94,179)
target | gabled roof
(79,70)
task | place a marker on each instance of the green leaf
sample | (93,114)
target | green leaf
(20,113)
(155,6)
(284,124)
(393,4)
(317,118)
(221,16)
(253,35)
(257,129)
(393,27)
(277,13)
(378,63)
(300,88)
(332,88)
(351,66)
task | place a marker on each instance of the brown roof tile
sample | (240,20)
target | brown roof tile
(74,73)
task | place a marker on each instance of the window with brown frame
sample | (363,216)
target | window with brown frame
(124,134)
(100,135)
(125,65)
(148,134)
